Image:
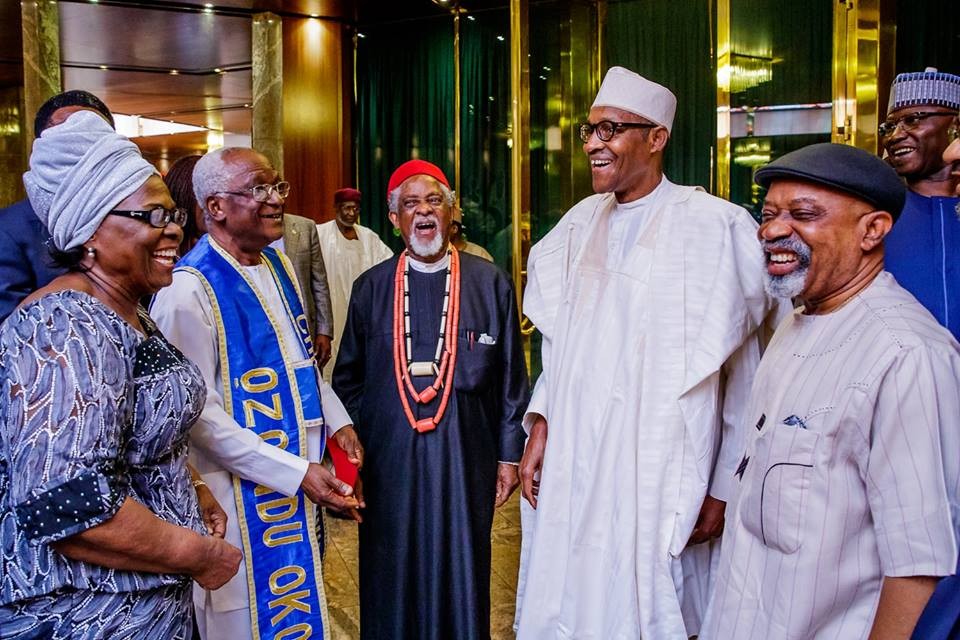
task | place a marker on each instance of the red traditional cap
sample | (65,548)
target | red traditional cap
(412,168)
(346,194)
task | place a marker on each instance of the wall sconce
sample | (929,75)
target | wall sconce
(748,71)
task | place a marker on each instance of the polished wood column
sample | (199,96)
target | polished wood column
(317,102)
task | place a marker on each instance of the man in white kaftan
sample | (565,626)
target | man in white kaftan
(842,514)
(241,225)
(349,249)
(653,318)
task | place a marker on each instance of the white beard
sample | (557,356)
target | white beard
(424,249)
(790,285)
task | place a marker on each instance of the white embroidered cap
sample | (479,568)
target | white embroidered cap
(923,88)
(624,89)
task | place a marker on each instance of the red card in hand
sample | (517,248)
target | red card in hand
(345,470)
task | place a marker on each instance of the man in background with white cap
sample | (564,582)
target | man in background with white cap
(923,245)
(652,308)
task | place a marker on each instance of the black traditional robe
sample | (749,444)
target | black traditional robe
(425,538)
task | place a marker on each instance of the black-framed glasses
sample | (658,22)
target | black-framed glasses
(909,121)
(605,129)
(158,217)
(262,192)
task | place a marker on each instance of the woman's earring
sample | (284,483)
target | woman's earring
(91,252)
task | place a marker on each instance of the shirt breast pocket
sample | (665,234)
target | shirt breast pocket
(776,497)
(477,353)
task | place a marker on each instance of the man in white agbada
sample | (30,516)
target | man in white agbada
(349,249)
(841,518)
(238,191)
(653,313)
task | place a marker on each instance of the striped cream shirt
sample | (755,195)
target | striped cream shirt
(849,473)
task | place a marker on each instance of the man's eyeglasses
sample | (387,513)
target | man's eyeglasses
(909,121)
(158,217)
(262,192)
(606,129)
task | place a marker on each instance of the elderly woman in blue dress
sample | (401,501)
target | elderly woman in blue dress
(100,531)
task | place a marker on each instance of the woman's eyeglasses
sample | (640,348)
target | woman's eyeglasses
(158,217)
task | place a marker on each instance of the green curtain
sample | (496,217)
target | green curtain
(670,43)
(928,35)
(484,131)
(405,98)
(798,38)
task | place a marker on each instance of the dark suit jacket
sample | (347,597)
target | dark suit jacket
(25,263)
(302,245)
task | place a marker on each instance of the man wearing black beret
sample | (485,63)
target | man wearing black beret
(841,520)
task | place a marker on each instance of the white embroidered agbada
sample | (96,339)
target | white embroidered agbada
(647,360)
(344,260)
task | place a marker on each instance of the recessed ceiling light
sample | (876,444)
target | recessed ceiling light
(104,67)
(218,70)
(174,72)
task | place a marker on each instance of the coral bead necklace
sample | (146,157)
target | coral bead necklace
(445,357)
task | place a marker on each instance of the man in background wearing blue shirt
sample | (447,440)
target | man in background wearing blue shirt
(921,250)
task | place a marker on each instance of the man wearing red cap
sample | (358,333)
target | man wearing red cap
(432,371)
(349,249)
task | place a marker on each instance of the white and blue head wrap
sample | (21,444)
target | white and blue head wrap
(79,171)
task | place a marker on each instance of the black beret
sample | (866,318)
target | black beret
(842,167)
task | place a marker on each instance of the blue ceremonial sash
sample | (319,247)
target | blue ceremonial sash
(277,400)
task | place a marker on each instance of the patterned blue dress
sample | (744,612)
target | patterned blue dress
(93,412)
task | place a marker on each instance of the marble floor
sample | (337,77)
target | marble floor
(341,570)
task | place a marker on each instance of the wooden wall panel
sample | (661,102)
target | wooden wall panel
(317,98)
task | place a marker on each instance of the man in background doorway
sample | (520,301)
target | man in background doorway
(348,249)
